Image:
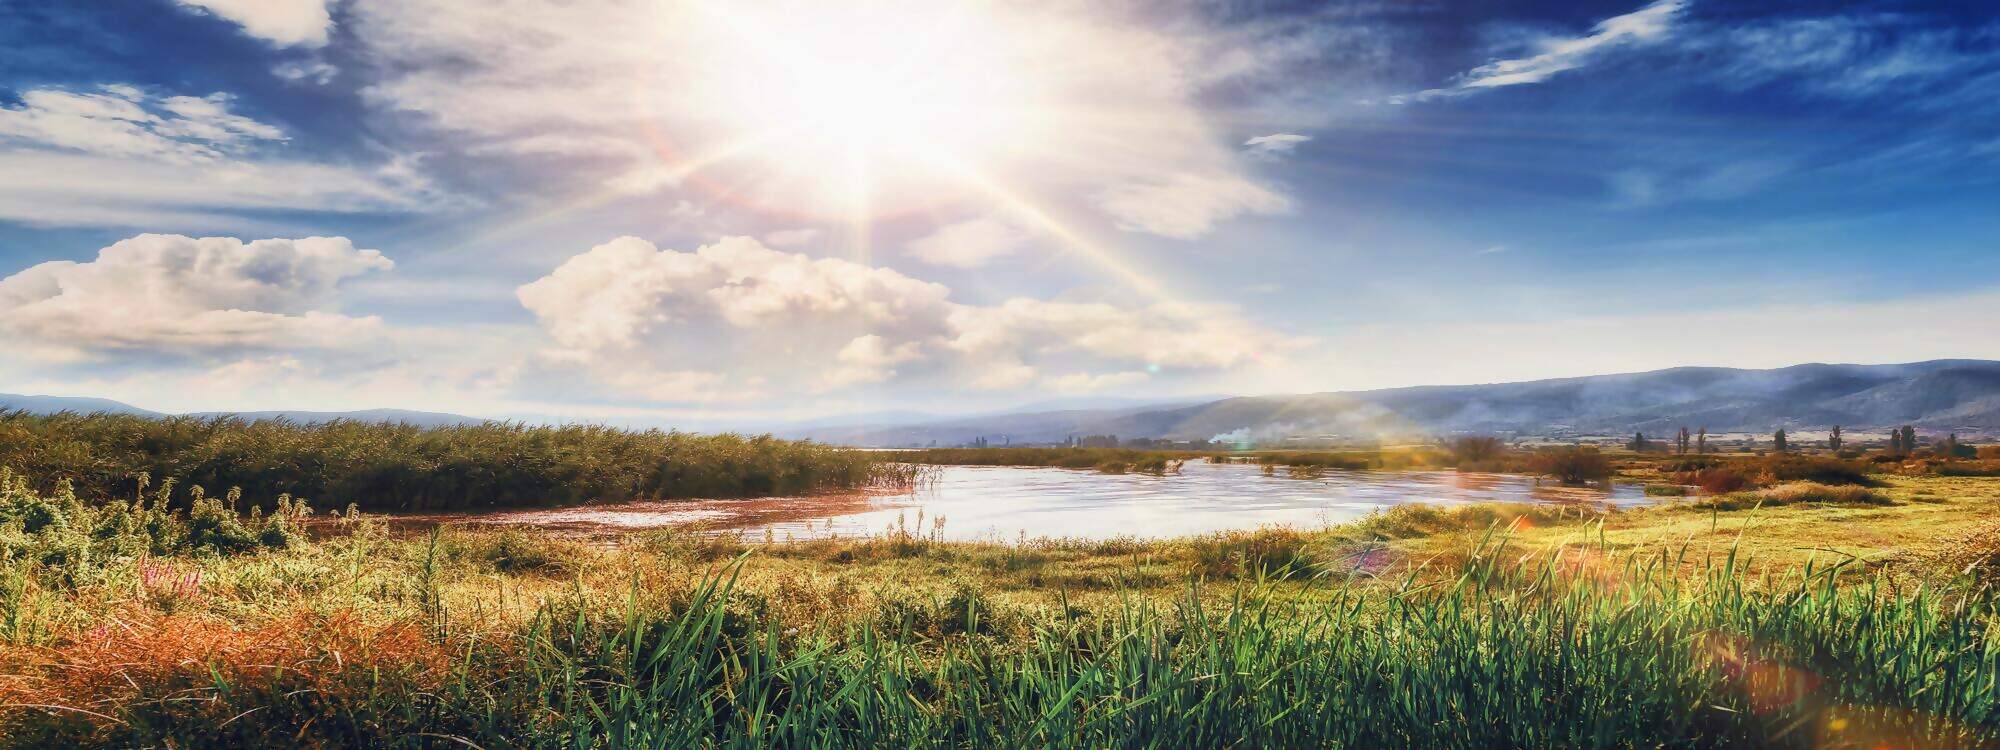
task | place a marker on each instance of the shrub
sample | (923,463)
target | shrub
(1573,464)
(1980,468)
(1720,480)
(1792,467)
(1988,452)
(1473,448)
(1814,492)
(1666,490)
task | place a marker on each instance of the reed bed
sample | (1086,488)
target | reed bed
(406,467)
(1585,645)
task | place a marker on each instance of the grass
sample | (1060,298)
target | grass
(406,467)
(1819,623)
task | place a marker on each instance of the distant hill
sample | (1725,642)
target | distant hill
(1960,395)
(81,405)
(78,404)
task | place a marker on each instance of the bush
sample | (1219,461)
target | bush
(1666,490)
(1979,468)
(1792,467)
(1477,448)
(1720,480)
(1988,453)
(1814,492)
(1574,464)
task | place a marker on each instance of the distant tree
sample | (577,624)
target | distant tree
(1895,442)
(1572,464)
(1701,441)
(1471,448)
(1909,439)
(1638,442)
(1833,439)
(1952,448)
(1778,441)
(1681,441)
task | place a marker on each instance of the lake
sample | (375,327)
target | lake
(1007,503)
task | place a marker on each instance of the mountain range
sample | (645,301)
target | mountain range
(1956,395)
(1939,395)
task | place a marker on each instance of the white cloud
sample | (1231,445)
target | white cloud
(174,296)
(1557,54)
(1275,143)
(793,237)
(283,23)
(1848,56)
(123,121)
(1164,335)
(120,156)
(869,359)
(970,244)
(1115,119)
(766,321)
(1188,206)
(1084,382)
(314,71)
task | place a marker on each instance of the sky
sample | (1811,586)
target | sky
(715,212)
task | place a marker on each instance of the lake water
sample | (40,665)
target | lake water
(1005,503)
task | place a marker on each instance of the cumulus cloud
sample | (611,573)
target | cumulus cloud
(175,296)
(735,319)
(1558,54)
(1116,121)
(283,23)
(122,156)
(970,244)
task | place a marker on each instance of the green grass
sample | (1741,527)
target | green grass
(1481,626)
(406,467)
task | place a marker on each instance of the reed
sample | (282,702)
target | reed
(1584,644)
(406,467)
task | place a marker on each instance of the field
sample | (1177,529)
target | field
(1798,614)
(1427,628)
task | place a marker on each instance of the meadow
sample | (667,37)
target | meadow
(1790,613)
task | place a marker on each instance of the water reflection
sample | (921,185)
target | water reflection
(1007,503)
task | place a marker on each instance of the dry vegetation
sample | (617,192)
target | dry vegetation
(406,467)
(1795,620)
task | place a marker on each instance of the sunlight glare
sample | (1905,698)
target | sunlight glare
(856,103)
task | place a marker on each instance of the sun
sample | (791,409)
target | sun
(859,107)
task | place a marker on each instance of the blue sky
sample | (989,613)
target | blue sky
(705,212)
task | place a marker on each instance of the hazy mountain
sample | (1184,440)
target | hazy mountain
(1962,395)
(78,404)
